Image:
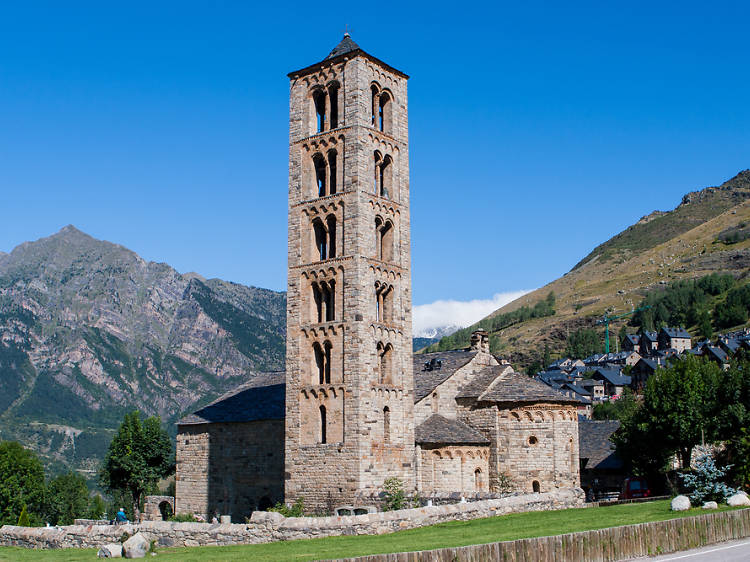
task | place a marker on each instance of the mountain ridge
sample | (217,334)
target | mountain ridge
(89,330)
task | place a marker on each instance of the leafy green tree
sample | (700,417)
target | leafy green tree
(703,321)
(622,409)
(21,484)
(23,519)
(67,499)
(97,507)
(546,358)
(680,404)
(582,343)
(139,455)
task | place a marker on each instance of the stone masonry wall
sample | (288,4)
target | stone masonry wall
(462,469)
(229,468)
(270,527)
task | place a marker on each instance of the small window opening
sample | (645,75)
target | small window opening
(320,174)
(386,171)
(333,98)
(321,239)
(319,99)
(386,424)
(327,358)
(375,103)
(330,300)
(317,294)
(385,360)
(535,487)
(332,172)
(384,113)
(320,362)
(477,480)
(533,440)
(386,242)
(331,227)
(377,177)
(435,403)
(323,424)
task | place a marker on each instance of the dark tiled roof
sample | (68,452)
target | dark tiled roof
(594,444)
(676,333)
(716,352)
(437,430)
(577,389)
(634,338)
(425,381)
(347,45)
(652,336)
(731,345)
(261,399)
(613,377)
(501,384)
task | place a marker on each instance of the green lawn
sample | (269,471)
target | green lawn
(455,533)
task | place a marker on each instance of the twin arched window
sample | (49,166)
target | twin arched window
(325,102)
(385,363)
(326,174)
(324,299)
(382,109)
(382,182)
(383,302)
(383,239)
(323,362)
(324,234)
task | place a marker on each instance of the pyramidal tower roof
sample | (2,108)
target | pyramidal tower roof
(346,47)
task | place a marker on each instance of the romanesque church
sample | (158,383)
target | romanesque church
(355,405)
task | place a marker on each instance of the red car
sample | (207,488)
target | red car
(634,488)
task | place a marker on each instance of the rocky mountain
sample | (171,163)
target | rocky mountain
(709,231)
(89,331)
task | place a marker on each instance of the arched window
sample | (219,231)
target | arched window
(386,242)
(386,424)
(319,100)
(377,179)
(330,300)
(385,353)
(478,480)
(331,172)
(319,164)
(385,113)
(333,98)
(318,301)
(331,228)
(535,487)
(327,356)
(386,175)
(321,239)
(320,362)
(383,302)
(375,104)
(322,424)
(435,403)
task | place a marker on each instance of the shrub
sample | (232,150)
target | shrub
(705,482)
(184,518)
(393,495)
(297,509)
(23,518)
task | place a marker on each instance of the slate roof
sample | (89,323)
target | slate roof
(634,339)
(676,333)
(651,336)
(716,352)
(261,399)
(594,444)
(425,381)
(437,430)
(347,45)
(500,384)
(613,377)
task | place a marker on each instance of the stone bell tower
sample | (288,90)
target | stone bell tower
(349,385)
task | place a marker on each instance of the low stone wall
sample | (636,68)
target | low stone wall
(270,527)
(603,545)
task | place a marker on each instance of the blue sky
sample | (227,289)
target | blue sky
(538,129)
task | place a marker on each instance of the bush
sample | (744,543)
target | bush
(297,509)
(184,518)
(23,519)
(705,482)
(393,495)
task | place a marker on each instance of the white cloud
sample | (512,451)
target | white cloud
(427,317)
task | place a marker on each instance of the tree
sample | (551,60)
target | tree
(139,455)
(21,484)
(546,358)
(621,409)
(582,343)
(680,404)
(67,499)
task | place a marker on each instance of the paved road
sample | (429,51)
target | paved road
(734,551)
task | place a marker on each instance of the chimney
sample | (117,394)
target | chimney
(480,341)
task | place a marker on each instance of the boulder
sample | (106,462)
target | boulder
(681,503)
(112,550)
(135,547)
(710,505)
(738,500)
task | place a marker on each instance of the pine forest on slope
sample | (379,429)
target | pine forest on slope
(708,232)
(90,331)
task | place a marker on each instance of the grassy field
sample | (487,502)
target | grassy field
(455,533)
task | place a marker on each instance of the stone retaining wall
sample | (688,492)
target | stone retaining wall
(270,527)
(602,545)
